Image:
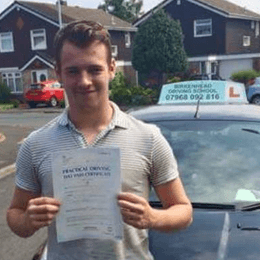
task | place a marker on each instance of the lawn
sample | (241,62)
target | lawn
(4,107)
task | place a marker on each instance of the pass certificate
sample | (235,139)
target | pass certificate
(87,181)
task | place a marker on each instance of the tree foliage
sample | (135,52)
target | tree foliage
(125,10)
(158,46)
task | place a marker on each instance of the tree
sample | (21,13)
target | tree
(158,47)
(125,10)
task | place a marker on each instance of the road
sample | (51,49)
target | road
(15,126)
(26,118)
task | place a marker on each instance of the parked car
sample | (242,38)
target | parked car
(213,132)
(217,149)
(48,92)
(253,92)
(205,77)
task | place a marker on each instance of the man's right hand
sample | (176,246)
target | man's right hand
(40,212)
(29,212)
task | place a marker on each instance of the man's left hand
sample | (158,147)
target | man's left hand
(135,210)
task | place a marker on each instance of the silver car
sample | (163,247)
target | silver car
(253,92)
(218,153)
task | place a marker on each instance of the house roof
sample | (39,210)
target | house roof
(230,8)
(49,12)
(221,7)
(41,56)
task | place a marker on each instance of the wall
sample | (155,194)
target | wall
(20,23)
(235,30)
(187,13)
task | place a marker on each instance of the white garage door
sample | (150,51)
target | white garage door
(228,67)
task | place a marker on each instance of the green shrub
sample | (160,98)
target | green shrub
(15,103)
(123,94)
(173,79)
(62,103)
(5,93)
(244,76)
(119,92)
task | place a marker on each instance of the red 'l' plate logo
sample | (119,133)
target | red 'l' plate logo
(232,93)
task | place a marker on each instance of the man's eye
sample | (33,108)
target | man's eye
(95,70)
(72,71)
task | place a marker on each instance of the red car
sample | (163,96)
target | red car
(48,92)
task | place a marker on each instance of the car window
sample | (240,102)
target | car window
(217,159)
(257,81)
(55,85)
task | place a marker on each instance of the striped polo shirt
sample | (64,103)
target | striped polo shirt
(146,160)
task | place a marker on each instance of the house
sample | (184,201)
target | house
(219,37)
(27,31)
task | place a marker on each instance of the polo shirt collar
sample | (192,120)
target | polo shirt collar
(119,118)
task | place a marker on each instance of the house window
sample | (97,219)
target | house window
(203,28)
(14,81)
(38,39)
(253,25)
(114,50)
(6,42)
(246,41)
(127,40)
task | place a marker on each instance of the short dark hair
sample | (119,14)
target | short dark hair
(81,33)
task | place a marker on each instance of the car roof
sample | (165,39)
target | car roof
(241,112)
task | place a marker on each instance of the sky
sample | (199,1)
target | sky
(252,5)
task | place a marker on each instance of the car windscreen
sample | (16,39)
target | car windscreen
(219,161)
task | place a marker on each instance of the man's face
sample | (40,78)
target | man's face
(85,74)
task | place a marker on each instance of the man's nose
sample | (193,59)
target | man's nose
(85,78)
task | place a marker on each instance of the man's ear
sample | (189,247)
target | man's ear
(112,69)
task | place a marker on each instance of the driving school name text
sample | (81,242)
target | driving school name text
(92,171)
(192,92)
(182,89)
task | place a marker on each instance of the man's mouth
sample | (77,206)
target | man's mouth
(84,91)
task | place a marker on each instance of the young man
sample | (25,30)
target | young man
(85,67)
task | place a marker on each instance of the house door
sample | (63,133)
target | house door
(39,75)
(209,68)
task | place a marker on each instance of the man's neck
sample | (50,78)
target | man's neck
(92,119)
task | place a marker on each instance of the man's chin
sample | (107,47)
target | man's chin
(86,105)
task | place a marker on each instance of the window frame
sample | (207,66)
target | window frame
(127,40)
(12,42)
(246,41)
(252,25)
(196,25)
(115,52)
(14,75)
(44,47)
